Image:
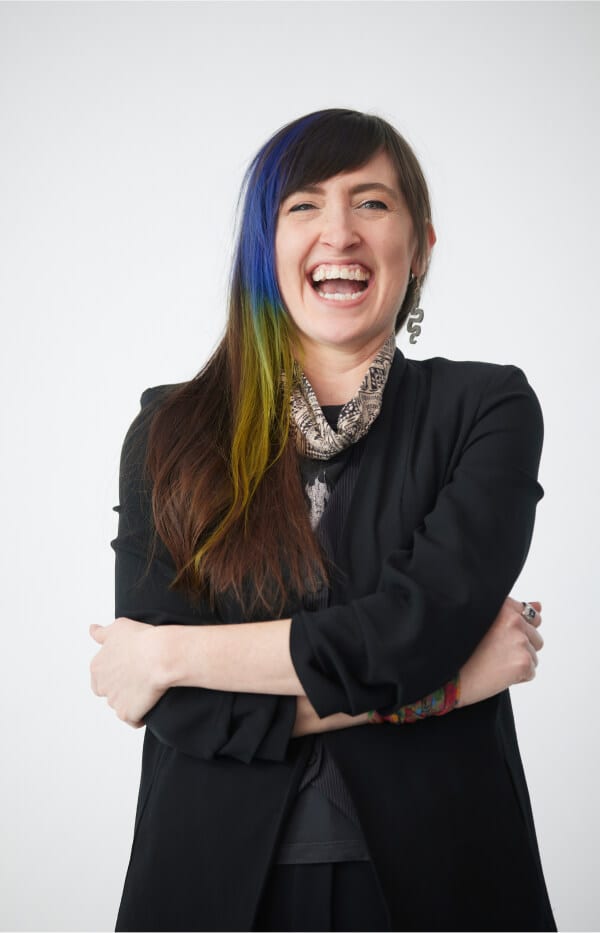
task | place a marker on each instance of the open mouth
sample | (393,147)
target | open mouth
(340,283)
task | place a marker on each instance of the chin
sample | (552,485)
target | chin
(342,337)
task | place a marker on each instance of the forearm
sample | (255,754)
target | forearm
(436,704)
(250,658)
(253,657)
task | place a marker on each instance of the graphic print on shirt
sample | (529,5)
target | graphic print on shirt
(317,491)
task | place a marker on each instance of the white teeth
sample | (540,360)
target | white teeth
(339,296)
(355,273)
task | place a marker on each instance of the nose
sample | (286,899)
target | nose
(338,228)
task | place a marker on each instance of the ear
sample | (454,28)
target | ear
(419,268)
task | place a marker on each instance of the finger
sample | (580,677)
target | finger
(533,654)
(535,639)
(98,633)
(519,604)
(537,618)
(527,664)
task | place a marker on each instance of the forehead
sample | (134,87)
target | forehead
(378,170)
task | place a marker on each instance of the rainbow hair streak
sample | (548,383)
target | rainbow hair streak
(259,331)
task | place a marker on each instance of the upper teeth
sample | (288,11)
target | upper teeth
(356,273)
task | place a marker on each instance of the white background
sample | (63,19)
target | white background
(124,133)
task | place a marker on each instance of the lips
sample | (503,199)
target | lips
(340,283)
(348,289)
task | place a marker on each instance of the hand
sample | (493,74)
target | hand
(125,669)
(506,655)
(308,720)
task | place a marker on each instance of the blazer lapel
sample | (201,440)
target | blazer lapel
(369,525)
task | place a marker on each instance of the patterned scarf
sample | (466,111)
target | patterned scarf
(314,437)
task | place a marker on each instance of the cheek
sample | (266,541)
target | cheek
(283,277)
(398,261)
(280,268)
(288,267)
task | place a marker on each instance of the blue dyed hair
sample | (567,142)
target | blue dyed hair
(264,184)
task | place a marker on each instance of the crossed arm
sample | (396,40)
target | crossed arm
(232,689)
(138,663)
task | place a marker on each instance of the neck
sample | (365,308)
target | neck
(336,373)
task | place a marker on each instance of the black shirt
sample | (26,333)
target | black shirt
(324,825)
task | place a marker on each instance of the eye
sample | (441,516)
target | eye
(374,205)
(304,206)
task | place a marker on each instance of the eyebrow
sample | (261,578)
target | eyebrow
(357,189)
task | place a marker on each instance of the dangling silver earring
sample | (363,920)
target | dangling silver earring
(416,315)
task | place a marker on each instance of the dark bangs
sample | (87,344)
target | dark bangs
(333,141)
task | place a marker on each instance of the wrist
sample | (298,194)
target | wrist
(439,703)
(173,655)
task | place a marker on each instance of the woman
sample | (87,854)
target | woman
(356,519)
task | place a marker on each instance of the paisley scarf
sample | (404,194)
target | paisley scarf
(314,437)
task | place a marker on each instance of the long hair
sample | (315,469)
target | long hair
(227,497)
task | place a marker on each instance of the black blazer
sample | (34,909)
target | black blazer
(438,529)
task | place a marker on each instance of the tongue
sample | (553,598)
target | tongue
(341,286)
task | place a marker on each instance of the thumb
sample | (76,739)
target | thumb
(98,633)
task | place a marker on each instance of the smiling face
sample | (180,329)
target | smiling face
(344,251)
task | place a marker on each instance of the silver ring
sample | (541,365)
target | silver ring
(528,612)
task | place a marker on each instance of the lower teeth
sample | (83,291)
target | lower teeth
(339,296)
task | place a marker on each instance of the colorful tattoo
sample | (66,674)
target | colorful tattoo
(438,703)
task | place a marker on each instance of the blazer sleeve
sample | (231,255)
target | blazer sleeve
(198,722)
(436,598)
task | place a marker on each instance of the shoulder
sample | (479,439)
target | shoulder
(471,381)
(152,396)
(135,441)
(466,374)
(134,483)
(453,398)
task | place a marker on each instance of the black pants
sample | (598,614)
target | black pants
(322,896)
